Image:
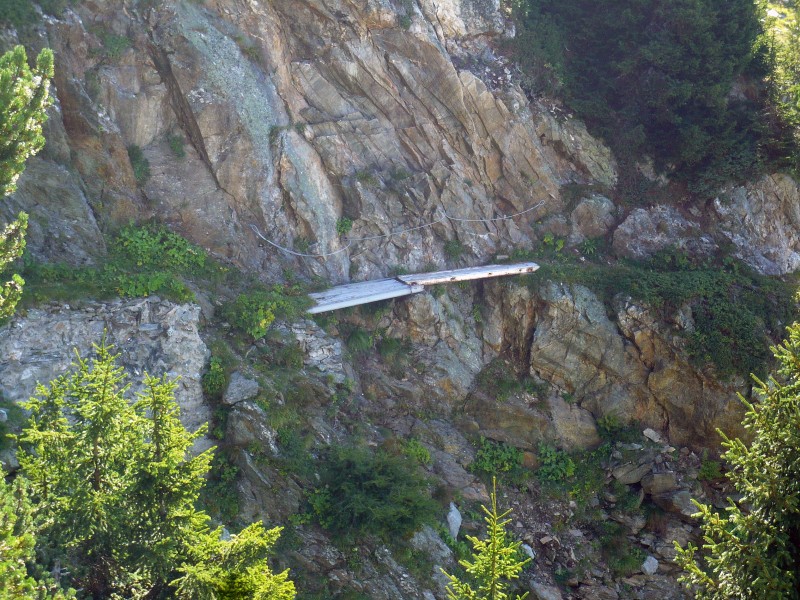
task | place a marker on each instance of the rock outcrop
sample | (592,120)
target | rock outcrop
(293,115)
(762,221)
(631,367)
(151,335)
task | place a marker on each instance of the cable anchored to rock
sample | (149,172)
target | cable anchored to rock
(351,241)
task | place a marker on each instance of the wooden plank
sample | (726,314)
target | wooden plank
(469,273)
(361,293)
(359,288)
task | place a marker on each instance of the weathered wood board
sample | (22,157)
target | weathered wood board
(353,294)
(364,292)
(469,273)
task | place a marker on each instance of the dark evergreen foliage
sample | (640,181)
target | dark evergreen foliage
(658,77)
(371,491)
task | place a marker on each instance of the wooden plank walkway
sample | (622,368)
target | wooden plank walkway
(353,294)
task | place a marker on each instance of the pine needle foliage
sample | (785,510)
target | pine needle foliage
(495,560)
(24,99)
(752,550)
(234,569)
(17,547)
(115,486)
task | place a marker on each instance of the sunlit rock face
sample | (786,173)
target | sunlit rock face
(288,116)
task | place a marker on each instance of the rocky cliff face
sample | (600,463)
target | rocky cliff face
(296,114)
(292,117)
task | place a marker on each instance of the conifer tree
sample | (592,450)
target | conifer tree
(495,560)
(115,489)
(752,550)
(17,544)
(234,569)
(24,98)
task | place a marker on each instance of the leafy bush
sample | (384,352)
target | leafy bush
(176,144)
(344,225)
(611,429)
(622,557)
(156,247)
(710,470)
(142,261)
(498,459)
(371,492)
(254,312)
(417,451)
(114,46)
(556,465)
(453,249)
(215,379)
(140,164)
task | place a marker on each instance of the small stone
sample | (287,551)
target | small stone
(650,565)
(528,551)
(3,416)
(546,540)
(454,521)
(679,502)
(659,483)
(631,473)
(653,436)
(240,389)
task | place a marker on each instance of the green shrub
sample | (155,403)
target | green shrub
(254,312)
(611,429)
(555,464)
(18,13)
(417,451)
(360,341)
(290,356)
(498,459)
(114,46)
(140,164)
(344,225)
(214,379)
(155,247)
(710,470)
(371,492)
(453,249)
(176,144)
(131,285)
(141,261)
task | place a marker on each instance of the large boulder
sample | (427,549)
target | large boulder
(647,230)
